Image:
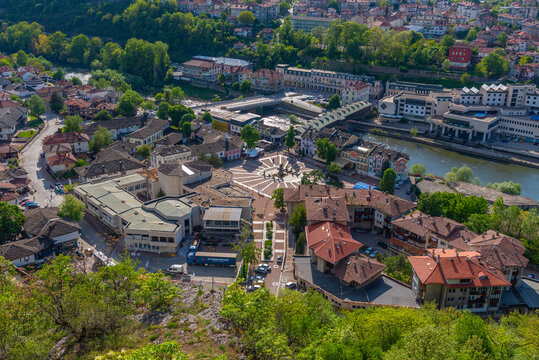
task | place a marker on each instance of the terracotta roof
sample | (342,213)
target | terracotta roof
(379,200)
(77,102)
(444,264)
(23,248)
(62,159)
(326,209)
(65,138)
(421,224)
(56,148)
(330,241)
(357,268)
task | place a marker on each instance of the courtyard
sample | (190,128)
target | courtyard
(266,174)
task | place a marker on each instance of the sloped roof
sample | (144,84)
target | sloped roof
(23,248)
(326,209)
(331,241)
(357,268)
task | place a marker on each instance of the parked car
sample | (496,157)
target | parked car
(259,282)
(176,268)
(373,254)
(31,205)
(256,277)
(531,276)
(251,288)
(382,244)
(23,202)
(265,266)
(259,270)
(279,259)
(369,250)
(290,285)
(397,186)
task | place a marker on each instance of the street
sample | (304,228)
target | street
(31,162)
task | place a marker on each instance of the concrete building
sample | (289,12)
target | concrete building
(166,154)
(222,221)
(457,279)
(308,23)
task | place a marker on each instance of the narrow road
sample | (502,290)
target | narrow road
(31,162)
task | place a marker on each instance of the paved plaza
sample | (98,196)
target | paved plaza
(262,175)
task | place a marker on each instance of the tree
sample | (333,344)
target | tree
(71,208)
(103,115)
(246,17)
(388,181)
(326,150)
(418,169)
(447,41)
(207,118)
(289,139)
(464,78)
(129,101)
(187,118)
(472,35)
(221,79)
(162,111)
(250,136)
(495,64)
(11,220)
(246,86)
(246,247)
(214,159)
(446,65)
(333,169)
(57,102)
(21,58)
(102,138)
(144,151)
(508,187)
(148,105)
(298,219)
(525,60)
(479,223)
(334,102)
(76,81)
(37,106)
(334,4)
(59,74)
(177,94)
(161,193)
(301,241)
(72,124)
(157,292)
(187,129)
(502,38)
(278,198)
(414,132)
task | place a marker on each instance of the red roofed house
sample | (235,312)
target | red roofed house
(457,279)
(328,243)
(77,141)
(62,162)
(460,56)
(78,107)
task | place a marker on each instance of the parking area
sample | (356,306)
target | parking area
(371,240)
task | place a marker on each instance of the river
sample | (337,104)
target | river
(439,161)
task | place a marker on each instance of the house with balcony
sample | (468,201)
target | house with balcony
(222,221)
(457,279)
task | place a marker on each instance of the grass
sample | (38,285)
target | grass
(199,93)
(27,134)
(34,122)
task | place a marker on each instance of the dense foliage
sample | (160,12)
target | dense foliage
(11,220)
(474,212)
(304,326)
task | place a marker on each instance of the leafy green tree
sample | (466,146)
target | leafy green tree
(57,102)
(37,106)
(161,193)
(508,187)
(502,38)
(144,151)
(284,7)
(221,79)
(246,247)
(72,124)
(103,115)
(76,81)
(334,4)
(59,74)
(177,113)
(21,59)
(246,17)
(479,223)
(301,241)
(207,118)
(289,139)
(414,132)
(446,65)
(298,219)
(129,101)
(157,292)
(148,105)
(102,138)
(334,102)
(418,169)
(250,136)
(494,64)
(214,159)
(388,181)
(333,169)
(187,118)
(525,60)
(177,94)
(465,78)
(278,198)
(11,220)
(246,86)
(326,150)
(187,128)
(162,111)
(472,35)
(71,208)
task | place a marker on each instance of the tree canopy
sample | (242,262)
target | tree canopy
(250,136)
(418,169)
(289,139)
(129,101)
(388,181)
(72,123)
(36,105)
(71,208)
(102,138)
(508,187)
(326,150)
(11,220)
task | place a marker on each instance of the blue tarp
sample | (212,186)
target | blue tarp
(362,185)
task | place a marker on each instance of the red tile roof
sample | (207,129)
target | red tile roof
(326,209)
(65,138)
(443,265)
(62,159)
(330,241)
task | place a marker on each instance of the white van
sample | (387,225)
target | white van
(176,268)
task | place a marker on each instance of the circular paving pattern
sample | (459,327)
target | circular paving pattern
(269,173)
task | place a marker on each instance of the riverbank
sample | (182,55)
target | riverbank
(504,156)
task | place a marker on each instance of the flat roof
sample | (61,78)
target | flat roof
(382,291)
(216,213)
